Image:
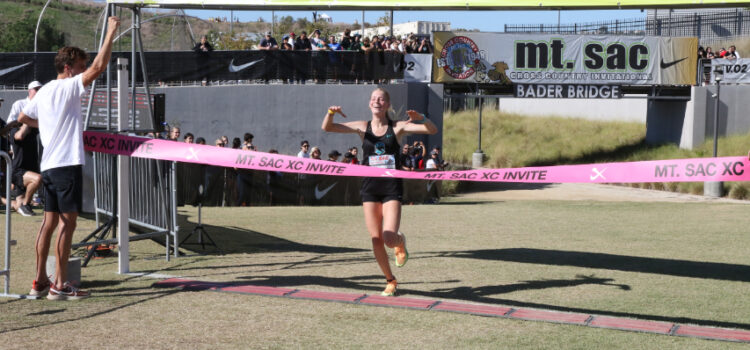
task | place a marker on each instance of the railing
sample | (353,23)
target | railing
(176,66)
(708,26)
(8,242)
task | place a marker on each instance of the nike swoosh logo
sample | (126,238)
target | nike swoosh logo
(667,65)
(235,69)
(319,194)
(8,70)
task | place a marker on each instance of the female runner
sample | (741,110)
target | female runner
(381,197)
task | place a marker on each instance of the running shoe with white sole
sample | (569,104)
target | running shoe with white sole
(68,292)
(39,289)
(390,288)
(25,210)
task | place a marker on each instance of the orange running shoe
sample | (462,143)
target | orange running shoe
(390,288)
(402,255)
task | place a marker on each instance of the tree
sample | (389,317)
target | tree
(18,36)
(385,20)
(229,41)
(284,25)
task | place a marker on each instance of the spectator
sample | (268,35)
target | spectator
(379,42)
(332,44)
(406,160)
(200,141)
(17,106)
(225,140)
(292,40)
(304,147)
(25,174)
(417,155)
(236,143)
(303,43)
(219,143)
(203,46)
(387,45)
(334,156)
(346,40)
(315,153)
(366,45)
(348,158)
(710,53)
(411,44)
(722,53)
(189,138)
(317,42)
(424,46)
(272,179)
(701,53)
(248,144)
(733,51)
(441,163)
(433,163)
(268,43)
(285,45)
(174,134)
(356,43)
(354,153)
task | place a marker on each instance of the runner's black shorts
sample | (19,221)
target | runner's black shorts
(63,189)
(381,190)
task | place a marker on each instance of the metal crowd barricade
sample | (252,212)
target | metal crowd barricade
(152,206)
(8,242)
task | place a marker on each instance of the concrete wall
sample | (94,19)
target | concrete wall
(633,110)
(691,123)
(280,116)
(10,97)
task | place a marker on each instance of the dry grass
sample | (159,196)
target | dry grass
(511,141)
(659,261)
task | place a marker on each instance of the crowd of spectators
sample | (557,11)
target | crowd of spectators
(708,53)
(414,157)
(348,42)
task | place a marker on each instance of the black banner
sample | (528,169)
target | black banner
(239,187)
(170,66)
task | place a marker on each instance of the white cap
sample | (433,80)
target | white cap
(34,84)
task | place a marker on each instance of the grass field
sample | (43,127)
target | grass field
(675,262)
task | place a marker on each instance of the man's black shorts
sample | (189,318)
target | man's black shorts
(17,179)
(63,189)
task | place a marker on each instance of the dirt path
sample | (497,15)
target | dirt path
(596,192)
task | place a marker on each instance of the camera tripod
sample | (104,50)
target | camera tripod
(199,230)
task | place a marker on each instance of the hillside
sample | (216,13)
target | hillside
(77,20)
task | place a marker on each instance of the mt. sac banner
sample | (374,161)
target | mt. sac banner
(563,59)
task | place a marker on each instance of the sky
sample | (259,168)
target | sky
(486,21)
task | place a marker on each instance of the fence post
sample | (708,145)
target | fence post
(739,23)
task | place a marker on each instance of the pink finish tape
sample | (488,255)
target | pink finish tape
(673,170)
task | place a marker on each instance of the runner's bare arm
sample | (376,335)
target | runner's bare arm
(344,128)
(23,118)
(417,124)
(105,52)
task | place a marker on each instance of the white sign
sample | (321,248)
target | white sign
(506,59)
(566,91)
(735,71)
(418,68)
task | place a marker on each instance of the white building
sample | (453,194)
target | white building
(420,28)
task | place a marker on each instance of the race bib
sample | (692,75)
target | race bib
(385,161)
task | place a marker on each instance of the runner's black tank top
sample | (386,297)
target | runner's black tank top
(383,152)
